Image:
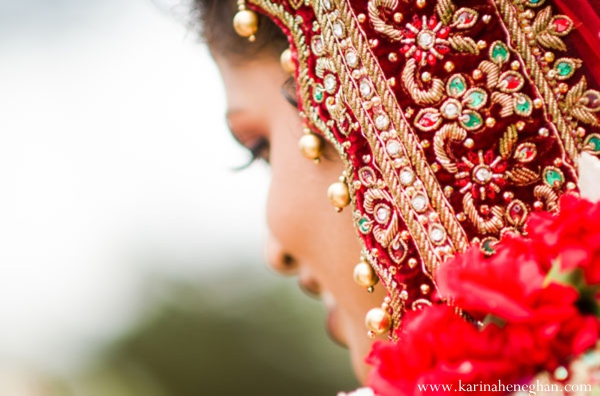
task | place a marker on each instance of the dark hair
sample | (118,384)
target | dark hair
(216,27)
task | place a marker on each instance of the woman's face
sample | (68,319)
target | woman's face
(307,237)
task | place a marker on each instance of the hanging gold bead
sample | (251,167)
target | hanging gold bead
(339,195)
(311,146)
(364,275)
(245,23)
(287,61)
(378,321)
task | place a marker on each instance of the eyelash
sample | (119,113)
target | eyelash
(257,153)
(261,146)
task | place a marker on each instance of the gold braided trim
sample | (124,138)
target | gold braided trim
(510,23)
(410,145)
(422,96)
(401,198)
(378,23)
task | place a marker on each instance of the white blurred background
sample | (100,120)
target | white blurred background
(112,145)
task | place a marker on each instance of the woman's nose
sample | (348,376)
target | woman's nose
(279,260)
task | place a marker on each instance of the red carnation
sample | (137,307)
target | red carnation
(437,346)
(570,238)
(500,285)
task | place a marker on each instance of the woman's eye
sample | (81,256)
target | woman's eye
(259,150)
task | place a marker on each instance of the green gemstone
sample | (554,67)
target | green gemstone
(471,120)
(564,69)
(554,177)
(523,105)
(457,86)
(319,95)
(476,99)
(364,225)
(593,142)
(499,52)
(487,246)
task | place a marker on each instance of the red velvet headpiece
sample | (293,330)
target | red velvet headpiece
(455,118)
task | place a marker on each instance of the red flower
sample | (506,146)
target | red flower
(437,346)
(499,285)
(571,238)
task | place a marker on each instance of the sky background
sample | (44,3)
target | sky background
(115,166)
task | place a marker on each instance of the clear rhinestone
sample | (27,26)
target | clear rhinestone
(419,203)
(338,29)
(451,110)
(365,88)
(483,174)
(393,148)
(330,83)
(382,121)
(426,39)
(407,177)
(317,45)
(327,4)
(383,214)
(437,234)
(352,58)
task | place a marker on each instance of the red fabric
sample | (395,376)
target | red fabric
(586,16)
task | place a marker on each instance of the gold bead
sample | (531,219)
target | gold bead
(481,44)
(449,66)
(393,57)
(549,57)
(469,143)
(477,74)
(412,263)
(398,17)
(425,288)
(515,65)
(245,23)
(364,275)
(538,103)
(392,82)
(378,321)
(339,195)
(311,146)
(421,3)
(287,61)
(362,18)
(426,77)
(490,122)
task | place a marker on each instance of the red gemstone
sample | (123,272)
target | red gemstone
(593,100)
(444,32)
(418,55)
(428,120)
(431,59)
(465,18)
(517,213)
(512,82)
(432,22)
(442,49)
(409,34)
(500,167)
(527,153)
(561,25)
(416,22)
(405,49)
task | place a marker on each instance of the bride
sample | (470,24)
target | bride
(412,144)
